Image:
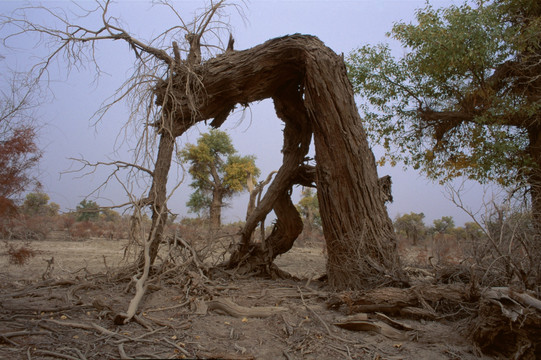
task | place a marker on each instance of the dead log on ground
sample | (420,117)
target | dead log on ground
(501,322)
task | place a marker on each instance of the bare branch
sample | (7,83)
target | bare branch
(118,164)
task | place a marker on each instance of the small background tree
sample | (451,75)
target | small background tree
(308,207)
(445,225)
(412,226)
(445,239)
(218,173)
(37,204)
(88,210)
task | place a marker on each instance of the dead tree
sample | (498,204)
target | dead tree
(312,95)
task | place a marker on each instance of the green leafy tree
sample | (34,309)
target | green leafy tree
(218,173)
(411,225)
(200,203)
(465,97)
(37,204)
(87,210)
(308,207)
(445,225)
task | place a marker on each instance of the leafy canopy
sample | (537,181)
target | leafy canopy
(38,204)
(464,98)
(216,167)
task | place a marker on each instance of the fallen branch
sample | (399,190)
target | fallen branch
(391,300)
(522,298)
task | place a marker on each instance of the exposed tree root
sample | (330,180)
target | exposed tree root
(361,322)
(229,307)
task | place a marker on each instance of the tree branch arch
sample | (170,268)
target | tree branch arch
(312,95)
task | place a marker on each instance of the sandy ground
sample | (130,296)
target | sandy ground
(59,318)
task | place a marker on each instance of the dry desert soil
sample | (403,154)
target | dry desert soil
(67,313)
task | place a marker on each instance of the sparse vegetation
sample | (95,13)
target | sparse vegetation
(151,284)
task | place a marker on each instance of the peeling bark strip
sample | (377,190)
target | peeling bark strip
(359,235)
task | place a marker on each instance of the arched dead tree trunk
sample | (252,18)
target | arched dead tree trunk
(309,85)
(297,135)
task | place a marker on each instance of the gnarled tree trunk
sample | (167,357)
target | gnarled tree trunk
(157,196)
(309,85)
(288,226)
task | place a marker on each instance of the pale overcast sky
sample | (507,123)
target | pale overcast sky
(66,130)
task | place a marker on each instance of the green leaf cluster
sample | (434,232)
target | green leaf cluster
(87,210)
(463,97)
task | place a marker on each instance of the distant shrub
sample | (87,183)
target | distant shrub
(85,230)
(40,226)
(67,221)
(7,208)
(20,255)
(446,249)
(28,228)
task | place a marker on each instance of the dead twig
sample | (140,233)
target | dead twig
(89,326)
(323,321)
(24,333)
(7,340)
(122,352)
(179,348)
(56,354)
(314,313)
